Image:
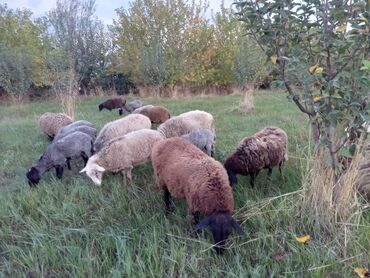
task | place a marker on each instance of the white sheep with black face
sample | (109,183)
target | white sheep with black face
(74,145)
(122,154)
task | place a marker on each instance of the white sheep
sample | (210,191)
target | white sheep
(50,123)
(122,154)
(186,123)
(121,127)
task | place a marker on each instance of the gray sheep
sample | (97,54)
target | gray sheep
(89,130)
(204,139)
(74,145)
(132,105)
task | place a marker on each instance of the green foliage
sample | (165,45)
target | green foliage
(317,47)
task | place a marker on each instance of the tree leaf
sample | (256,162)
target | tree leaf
(273,59)
(341,29)
(303,239)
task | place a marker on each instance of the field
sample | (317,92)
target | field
(72,228)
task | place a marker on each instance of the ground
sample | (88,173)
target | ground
(72,228)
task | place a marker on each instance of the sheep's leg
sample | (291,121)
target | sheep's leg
(69,163)
(168,201)
(253,178)
(59,171)
(196,216)
(270,171)
(129,175)
(85,158)
(280,167)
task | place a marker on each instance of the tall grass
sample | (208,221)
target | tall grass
(71,228)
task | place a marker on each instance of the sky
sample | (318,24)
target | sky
(104,8)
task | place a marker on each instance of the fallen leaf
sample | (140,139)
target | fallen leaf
(316,98)
(315,69)
(362,272)
(273,59)
(303,239)
(278,256)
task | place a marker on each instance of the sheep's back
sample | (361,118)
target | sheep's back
(50,123)
(121,127)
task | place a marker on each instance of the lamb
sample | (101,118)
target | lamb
(157,114)
(265,149)
(113,103)
(71,146)
(182,170)
(186,123)
(121,127)
(121,154)
(50,123)
(204,139)
(133,105)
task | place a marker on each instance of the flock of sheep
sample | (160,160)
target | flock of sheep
(181,152)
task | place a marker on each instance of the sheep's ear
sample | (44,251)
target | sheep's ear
(83,170)
(237,227)
(202,224)
(99,168)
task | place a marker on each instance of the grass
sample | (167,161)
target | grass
(71,228)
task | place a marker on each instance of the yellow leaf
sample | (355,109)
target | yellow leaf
(362,272)
(316,98)
(341,29)
(367,29)
(273,59)
(303,239)
(319,70)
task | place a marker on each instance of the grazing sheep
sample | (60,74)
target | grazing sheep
(50,123)
(265,149)
(113,103)
(364,174)
(121,127)
(133,105)
(122,154)
(73,145)
(181,170)
(204,139)
(186,123)
(89,130)
(157,114)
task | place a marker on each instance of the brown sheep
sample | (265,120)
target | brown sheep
(113,103)
(184,171)
(265,149)
(157,114)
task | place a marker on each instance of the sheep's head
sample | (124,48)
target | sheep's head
(33,176)
(221,225)
(101,106)
(94,172)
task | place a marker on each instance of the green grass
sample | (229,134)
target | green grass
(69,227)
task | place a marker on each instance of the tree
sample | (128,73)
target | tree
(318,46)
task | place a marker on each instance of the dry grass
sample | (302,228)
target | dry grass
(330,200)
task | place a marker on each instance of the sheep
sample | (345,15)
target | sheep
(157,114)
(265,149)
(121,154)
(71,146)
(182,170)
(113,103)
(186,123)
(133,105)
(121,127)
(50,123)
(90,130)
(204,139)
